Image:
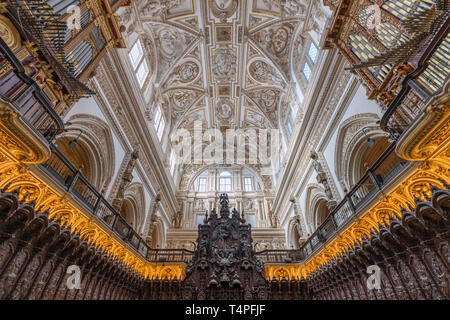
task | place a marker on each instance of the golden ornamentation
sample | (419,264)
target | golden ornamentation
(17,148)
(9,33)
(158,271)
(18,139)
(280,271)
(430,149)
(415,185)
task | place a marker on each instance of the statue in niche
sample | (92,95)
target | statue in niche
(249,205)
(200,204)
(322,179)
(178,218)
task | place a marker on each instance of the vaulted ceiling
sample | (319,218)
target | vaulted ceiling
(225,62)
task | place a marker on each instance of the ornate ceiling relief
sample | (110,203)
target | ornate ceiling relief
(171,43)
(224,110)
(223,9)
(159,7)
(318,17)
(181,100)
(275,42)
(263,73)
(286,7)
(267,100)
(184,74)
(224,64)
(254,118)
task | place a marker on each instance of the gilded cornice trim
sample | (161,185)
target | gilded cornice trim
(403,195)
(18,139)
(431,132)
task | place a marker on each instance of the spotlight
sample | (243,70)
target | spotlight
(73,142)
(370,141)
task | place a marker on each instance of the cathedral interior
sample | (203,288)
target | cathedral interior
(224,149)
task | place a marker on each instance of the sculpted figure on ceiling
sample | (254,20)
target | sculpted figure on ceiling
(223,9)
(169,41)
(224,64)
(318,18)
(224,109)
(275,41)
(293,7)
(171,44)
(263,73)
(288,7)
(184,74)
(267,100)
(159,7)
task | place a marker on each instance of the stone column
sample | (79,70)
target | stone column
(212,180)
(261,218)
(236,180)
(239,205)
(190,210)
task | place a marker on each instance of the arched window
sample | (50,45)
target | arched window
(139,63)
(369,155)
(202,184)
(290,122)
(89,146)
(155,240)
(248,184)
(310,61)
(127,211)
(225,181)
(159,122)
(172,162)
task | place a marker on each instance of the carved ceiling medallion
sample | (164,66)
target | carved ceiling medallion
(224,64)
(280,40)
(188,72)
(223,9)
(169,42)
(224,109)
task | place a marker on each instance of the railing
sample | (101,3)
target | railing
(71,179)
(170,255)
(279,256)
(387,167)
(382,172)
(25,94)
